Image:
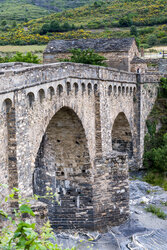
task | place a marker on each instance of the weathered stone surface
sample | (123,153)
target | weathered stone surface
(59,127)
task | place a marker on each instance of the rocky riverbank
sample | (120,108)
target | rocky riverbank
(143,230)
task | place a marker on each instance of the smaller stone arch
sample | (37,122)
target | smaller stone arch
(7,105)
(109,90)
(41,95)
(83,88)
(123,90)
(127,90)
(95,88)
(51,92)
(119,90)
(89,88)
(121,135)
(59,89)
(31,99)
(76,88)
(115,89)
(131,90)
(134,90)
(68,87)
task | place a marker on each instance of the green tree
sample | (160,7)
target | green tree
(66,26)
(45,28)
(14,24)
(125,21)
(133,30)
(86,56)
(152,40)
(3,23)
(54,26)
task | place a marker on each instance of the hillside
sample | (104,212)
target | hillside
(20,11)
(109,13)
(106,18)
(59,5)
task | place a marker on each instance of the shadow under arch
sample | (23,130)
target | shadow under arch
(121,135)
(63,164)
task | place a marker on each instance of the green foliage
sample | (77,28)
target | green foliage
(21,234)
(156,158)
(133,30)
(152,40)
(125,22)
(3,23)
(151,126)
(55,26)
(20,57)
(163,87)
(155,146)
(86,56)
(157,211)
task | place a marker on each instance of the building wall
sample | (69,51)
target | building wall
(116,59)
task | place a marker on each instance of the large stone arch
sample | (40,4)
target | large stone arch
(122,135)
(63,164)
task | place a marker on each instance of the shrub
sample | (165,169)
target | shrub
(157,211)
(152,40)
(156,179)
(86,56)
(156,158)
(19,233)
(125,22)
(163,40)
(3,23)
(163,87)
(133,30)
(20,57)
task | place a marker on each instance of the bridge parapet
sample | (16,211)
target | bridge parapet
(15,78)
(151,77)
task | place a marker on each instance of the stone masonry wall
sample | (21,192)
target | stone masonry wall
(63,136)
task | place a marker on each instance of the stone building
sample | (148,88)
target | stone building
(138,65)
(119,52)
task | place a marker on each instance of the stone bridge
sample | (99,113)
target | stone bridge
(75,129)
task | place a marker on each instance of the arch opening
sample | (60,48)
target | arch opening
(59,89)
(31,99)
(83,88)
(41,94)
(89,88)
(51,92)
(95,88)
(63,164)
(109,90)
(76,88)
(122,136)
(68,87)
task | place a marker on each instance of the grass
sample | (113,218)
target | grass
(156,179)
(11,50)
(23,49)
(164,203)
(157,211)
